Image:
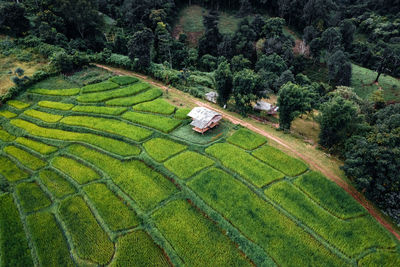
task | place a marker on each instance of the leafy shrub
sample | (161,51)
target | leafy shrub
(119,61)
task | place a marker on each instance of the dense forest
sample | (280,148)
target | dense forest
(258,59)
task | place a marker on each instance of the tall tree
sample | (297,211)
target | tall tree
(246,89)
(140,46)
(338,119)
(223,81)
(208,44)
(293,100)
(12,19)
(339,69)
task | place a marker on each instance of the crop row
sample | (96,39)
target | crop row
(44,116)
(55,105)
(5,136)
(188,163)
(116,93)
(287,243)
(366,233)
(109,125)
(10,170)
(100,110)
(149,95)
(14,248)
(124,80)
(49,241)
(108,144)
(18,104)
(138,249)
(247,139)
(197,240)
(159,106)
(76,170)
(161,149)
(157,122)
(97,87)
(27,159)
(7,114)
(55,183)
(144,185)
(31,197)
(89,239)
(328,195)
(244,164)
(37,146)
(114,212)
(56,92)
(280,161)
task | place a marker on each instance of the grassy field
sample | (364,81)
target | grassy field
(83,184)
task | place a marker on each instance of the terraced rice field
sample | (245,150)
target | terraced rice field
(95,176)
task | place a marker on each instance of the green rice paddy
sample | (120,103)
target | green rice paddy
(113,175)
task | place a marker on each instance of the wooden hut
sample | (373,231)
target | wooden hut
(204,119)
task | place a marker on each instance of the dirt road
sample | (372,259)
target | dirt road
(325,171)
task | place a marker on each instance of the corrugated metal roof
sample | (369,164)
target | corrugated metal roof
(202,116)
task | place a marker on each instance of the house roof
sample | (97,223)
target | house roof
(202,116)
(262,105)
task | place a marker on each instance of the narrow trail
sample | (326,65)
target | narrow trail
(329,174)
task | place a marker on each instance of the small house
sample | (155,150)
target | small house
(211,96)
(267,107)
(204,119)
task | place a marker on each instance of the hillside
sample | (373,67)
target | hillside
(67,159)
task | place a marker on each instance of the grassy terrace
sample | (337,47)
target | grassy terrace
(111,174)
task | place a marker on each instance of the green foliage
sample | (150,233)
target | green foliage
(55,183)
(181,113)
(366,233)
(37,146)
(157,122)
(124,80)
(90,241)
(13,243)
(10,170)
(98,87)
(338,119)
(244,164)
(261,222)
(339,69)
(328,195)
(280,161)
(109,125)
(380,258)
(108,144)
(47,117)
(149,95)
(245,89)
(26,159)
(17,104)
(161,149)
(7,114)
(49,241)
(114,212)
(147,187)
(159,106)
(137,248)
(103,96)
(74,169)
(100,110)
(195,238)
(56,92)
(247,139)
(187,163)
(140,48)
(31,197)
(223,81)
(293,100)
(55,105)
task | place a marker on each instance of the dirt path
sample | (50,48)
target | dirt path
(329,174)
